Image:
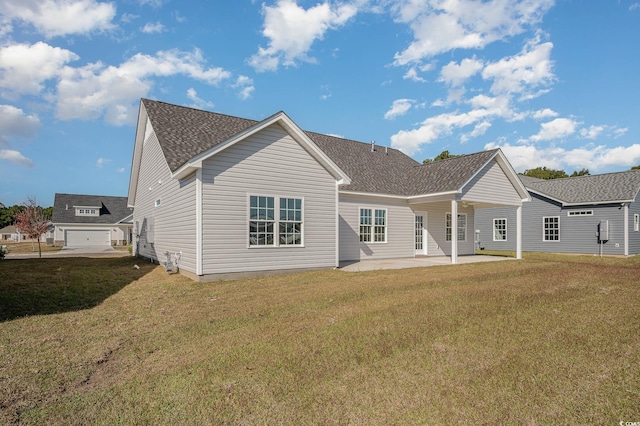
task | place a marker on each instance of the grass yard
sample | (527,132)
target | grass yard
(546,340)
(28,247)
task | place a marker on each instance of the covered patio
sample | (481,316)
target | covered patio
(415,262)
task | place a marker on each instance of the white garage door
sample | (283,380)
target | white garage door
(87,237)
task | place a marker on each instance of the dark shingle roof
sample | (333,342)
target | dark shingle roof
(185,132)
(449,174)
(112,209)
(610,187)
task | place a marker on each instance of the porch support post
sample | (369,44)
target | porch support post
(454,232)
(519,232)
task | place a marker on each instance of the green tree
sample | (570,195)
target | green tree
(545,173)
(442,156)
(583,172)
(636,167)
(8,215)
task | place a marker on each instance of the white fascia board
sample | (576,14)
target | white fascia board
(372,195)
(130,217)
(87,207)
(436,196)
(542,194)
(280,117)
(596,203)
(88,225)
(143,121)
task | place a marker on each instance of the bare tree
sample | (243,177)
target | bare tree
(32,221)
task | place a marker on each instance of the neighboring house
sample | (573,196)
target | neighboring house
(91,220)
(598,214)
(234,195)
(11,233)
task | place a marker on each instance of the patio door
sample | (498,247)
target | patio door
(420,241)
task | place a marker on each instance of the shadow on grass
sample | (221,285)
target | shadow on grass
(51,286)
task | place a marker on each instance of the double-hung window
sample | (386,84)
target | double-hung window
(271,215)
(461,227)
(373,225)
(500,229)
(551,228)
(290,229)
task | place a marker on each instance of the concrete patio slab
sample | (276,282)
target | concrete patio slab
(416,262)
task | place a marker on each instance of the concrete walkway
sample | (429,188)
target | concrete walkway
(417,262)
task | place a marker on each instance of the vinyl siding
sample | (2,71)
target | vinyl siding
(577,233)
(634,236)
(483,186)
(269,163)
(175,219)
(436,230)
(400,229)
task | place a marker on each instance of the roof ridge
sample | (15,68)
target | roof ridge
(90,195)
(458,157)
(202,110)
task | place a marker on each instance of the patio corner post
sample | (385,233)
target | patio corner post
(519,232)
(454,232)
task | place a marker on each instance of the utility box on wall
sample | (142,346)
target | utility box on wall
(603,231)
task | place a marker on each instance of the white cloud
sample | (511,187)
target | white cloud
(15,123)
(594,158)
(291,31)
(440,26)
(93,90)
(555,129)
(412,74)
(634,6)
(198,103)
(399,107)
(592,132)
(544,113)
(152,28)
(531,68)
(61,17)
(479,130)
(121,170)
(128,17)
(455,74)
(102,161)
(15,157)
(25,67)
(245,84)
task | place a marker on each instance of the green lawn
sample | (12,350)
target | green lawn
(546,340)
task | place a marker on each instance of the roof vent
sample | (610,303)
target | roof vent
(66,206)
(373,146)
(386,150)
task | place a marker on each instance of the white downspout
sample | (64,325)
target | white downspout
(626,229)
(454,232)
(199,267)
(519,232)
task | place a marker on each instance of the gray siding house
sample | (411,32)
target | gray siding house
(233,195)
(598,214)
(91,220)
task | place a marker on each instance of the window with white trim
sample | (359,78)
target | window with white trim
(580,213)
(290,229)
(551,228)
(268,215)
(87,212)
(636,222)
(157,203)
(461,227)
(500,229)
(373,225)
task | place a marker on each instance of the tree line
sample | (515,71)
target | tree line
(539,172)
(8,215)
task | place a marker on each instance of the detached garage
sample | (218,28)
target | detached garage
(91,220)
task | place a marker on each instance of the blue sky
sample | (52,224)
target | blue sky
(552,83)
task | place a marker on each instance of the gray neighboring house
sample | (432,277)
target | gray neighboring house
(587,214)
(91,220)
(236,196)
